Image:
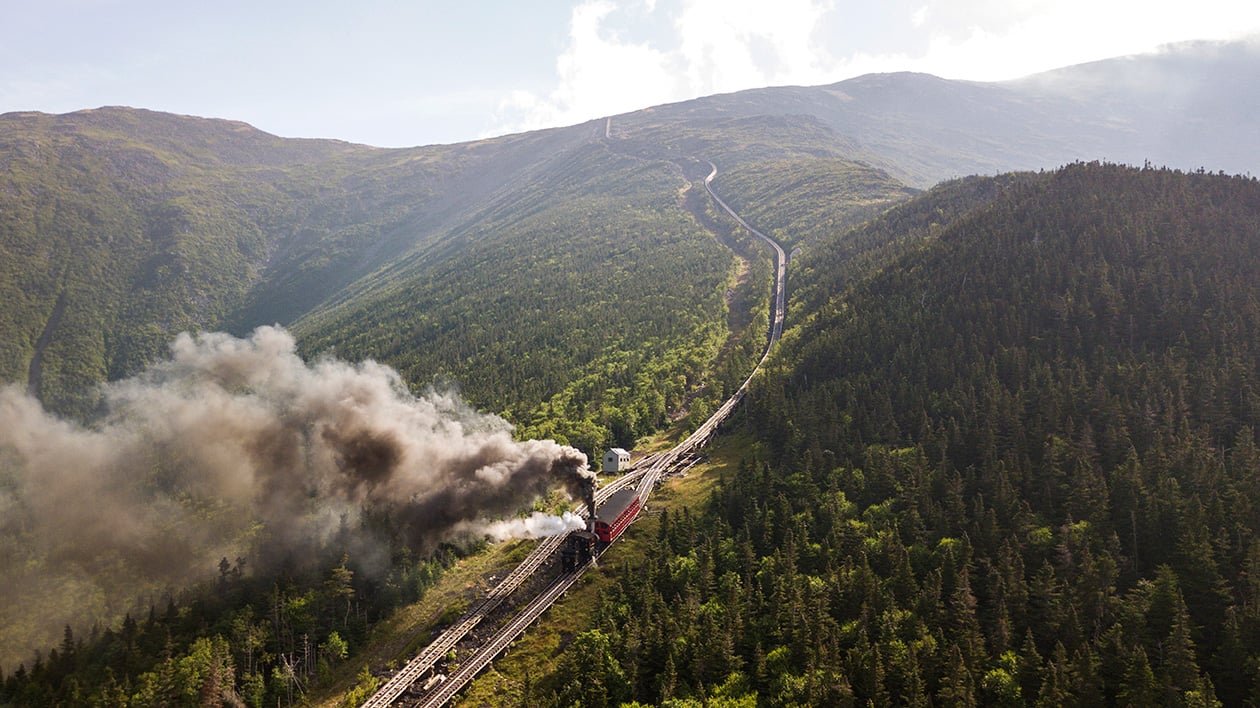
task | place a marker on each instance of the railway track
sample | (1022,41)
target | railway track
(705,432)
(508,634)
(780,270)
(503,638)
(452,635)
(647,476)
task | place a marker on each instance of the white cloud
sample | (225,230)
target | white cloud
(597,75)
(709,46)
(728,45)
(967,41)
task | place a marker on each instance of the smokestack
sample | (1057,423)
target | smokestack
(590,507)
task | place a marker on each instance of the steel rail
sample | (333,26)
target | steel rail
(479,661)
(423,662)
(514,629)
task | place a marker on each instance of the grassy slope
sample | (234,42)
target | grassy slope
(798,202)
(407,630)
(139,224)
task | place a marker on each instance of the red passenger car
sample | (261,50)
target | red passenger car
(616,514)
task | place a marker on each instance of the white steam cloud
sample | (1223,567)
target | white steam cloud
(536,525)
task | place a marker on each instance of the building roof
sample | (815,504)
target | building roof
(616,504)
(620,452)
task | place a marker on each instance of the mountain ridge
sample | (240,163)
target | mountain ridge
(961,127)
(301,226)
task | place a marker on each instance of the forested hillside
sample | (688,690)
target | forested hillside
(602,278)
(123,227)
(1016,465)
(795,201)
(560,277)
(582,286)
(119,228)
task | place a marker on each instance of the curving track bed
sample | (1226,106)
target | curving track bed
(705,432)
(647,476)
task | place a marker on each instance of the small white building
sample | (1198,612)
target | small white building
(616,460)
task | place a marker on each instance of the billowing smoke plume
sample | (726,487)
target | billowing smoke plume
(233,438)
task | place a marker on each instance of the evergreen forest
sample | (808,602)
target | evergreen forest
(1016,465)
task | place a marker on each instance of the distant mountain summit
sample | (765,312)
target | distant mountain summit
(1189,106)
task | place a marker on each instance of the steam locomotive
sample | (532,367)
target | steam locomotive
(605,526)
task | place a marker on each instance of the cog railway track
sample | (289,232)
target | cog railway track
(650,471)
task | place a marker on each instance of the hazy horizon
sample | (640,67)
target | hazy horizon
(393,74)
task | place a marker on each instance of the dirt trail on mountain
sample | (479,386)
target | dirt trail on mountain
(35,372)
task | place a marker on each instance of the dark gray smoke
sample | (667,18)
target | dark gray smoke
(229,439)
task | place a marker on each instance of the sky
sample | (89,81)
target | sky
(397,73)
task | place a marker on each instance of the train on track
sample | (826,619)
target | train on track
(605,525)
(615,515)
